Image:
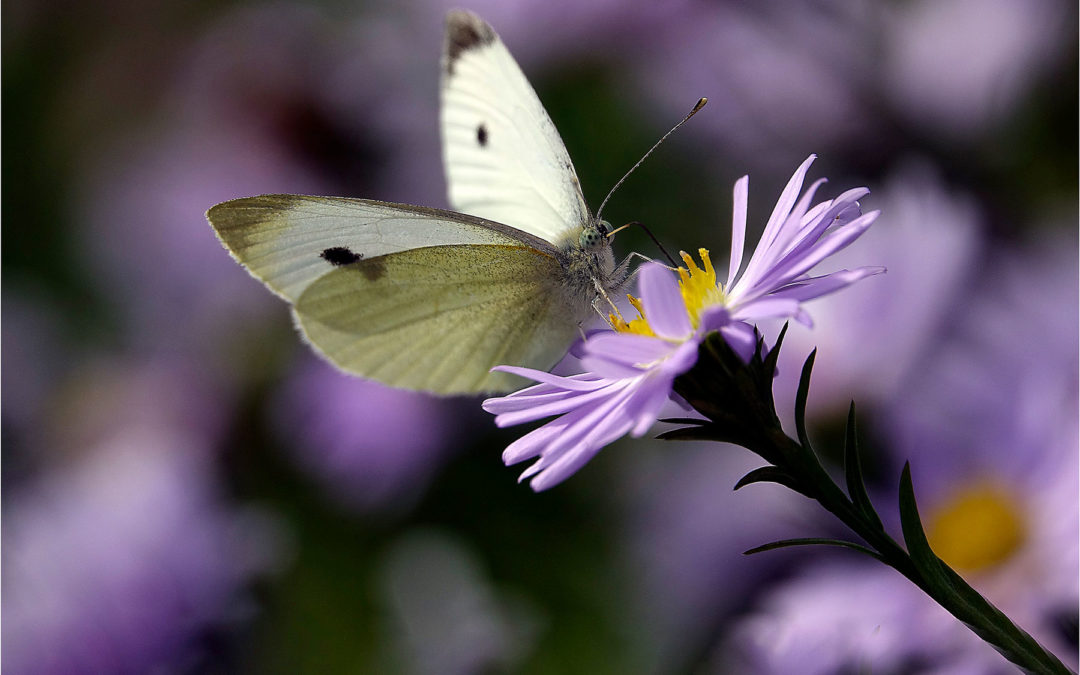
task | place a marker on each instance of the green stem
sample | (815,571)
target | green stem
(956,596)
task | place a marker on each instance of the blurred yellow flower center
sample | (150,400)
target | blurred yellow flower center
(978,527)
(699,289)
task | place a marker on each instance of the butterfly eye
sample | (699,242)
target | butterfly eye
(604,227)
(591,238)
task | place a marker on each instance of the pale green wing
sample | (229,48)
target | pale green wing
(289,241)
(438,319)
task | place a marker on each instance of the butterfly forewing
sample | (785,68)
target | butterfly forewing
(289,241)
(439,319)
(504,158)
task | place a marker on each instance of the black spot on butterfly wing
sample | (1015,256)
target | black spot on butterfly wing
(464,31)
(482,135)
(373,269)
(339,255)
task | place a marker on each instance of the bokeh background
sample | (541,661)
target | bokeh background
(186,489)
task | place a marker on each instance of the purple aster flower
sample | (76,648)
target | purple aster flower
(630,370)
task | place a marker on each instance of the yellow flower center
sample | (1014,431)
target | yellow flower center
(638,326)
(699,289)
(978,527)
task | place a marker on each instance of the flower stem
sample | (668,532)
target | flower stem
(736,397)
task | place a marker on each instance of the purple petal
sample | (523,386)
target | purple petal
(627,348)
(808,253)
(611,370)
(682,359)
(738,227)
(777,220)
(569,463)
(659,378)
(587,431)
(506,404)
(800,262)
(607,430)
(815,287)
(663,303)
(767,307)
(648,404)
(552,408)
(575,382)
(790,230)
(539,392)
(812,216)
(741,338)
(784,204)
(532,444)
(714,317)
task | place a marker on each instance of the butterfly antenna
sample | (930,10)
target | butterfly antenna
(700,104)
(651,236)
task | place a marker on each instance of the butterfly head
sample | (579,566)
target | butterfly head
(595,235)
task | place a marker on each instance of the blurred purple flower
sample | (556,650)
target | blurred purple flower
(255,106)
(120,560)
(991,430)
(785,75)
(566,31)
(373,447)
(849,74)
(630,370)
(957,67)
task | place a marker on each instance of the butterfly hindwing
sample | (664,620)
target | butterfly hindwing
(440,318)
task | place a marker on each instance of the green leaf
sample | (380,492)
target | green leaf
(701,432)
(814,541)
(770,474)
(695,421)
(853,472)
(800,400)
(769,364)
(926,562)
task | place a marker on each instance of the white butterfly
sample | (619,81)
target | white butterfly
(429,299)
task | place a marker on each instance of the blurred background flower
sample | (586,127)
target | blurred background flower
(187,489)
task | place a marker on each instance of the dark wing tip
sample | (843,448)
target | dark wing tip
(464,31)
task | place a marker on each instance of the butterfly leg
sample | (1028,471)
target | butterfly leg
(601,294)
(625,275)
